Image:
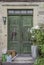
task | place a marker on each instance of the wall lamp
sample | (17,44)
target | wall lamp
(4,20)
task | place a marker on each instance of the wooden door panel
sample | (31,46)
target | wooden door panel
(13,33)
(27,24)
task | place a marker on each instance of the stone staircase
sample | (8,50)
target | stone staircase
(17,63)
(24,58)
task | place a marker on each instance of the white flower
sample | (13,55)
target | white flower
(33,36)
(36,27)
(31,31)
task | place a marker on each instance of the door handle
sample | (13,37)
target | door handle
(22,35)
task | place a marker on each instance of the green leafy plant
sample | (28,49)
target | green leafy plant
(39,36)
(39,61)
(40,39)
(41,50)
(33,37)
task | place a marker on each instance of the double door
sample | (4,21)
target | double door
(19,33)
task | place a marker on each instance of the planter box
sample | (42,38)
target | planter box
(34,51)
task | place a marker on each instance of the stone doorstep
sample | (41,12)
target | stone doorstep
(23,60)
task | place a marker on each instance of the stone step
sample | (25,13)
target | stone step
(23,60)
(17,63)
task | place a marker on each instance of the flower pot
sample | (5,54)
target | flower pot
(34,51)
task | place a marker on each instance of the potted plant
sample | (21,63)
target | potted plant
(37,37)
(40,41)
(34,46)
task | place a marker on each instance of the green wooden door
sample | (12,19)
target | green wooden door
(18,33)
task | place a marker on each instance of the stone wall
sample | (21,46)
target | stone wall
(37,17)
(23,0)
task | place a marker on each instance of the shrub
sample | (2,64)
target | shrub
(39,61)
